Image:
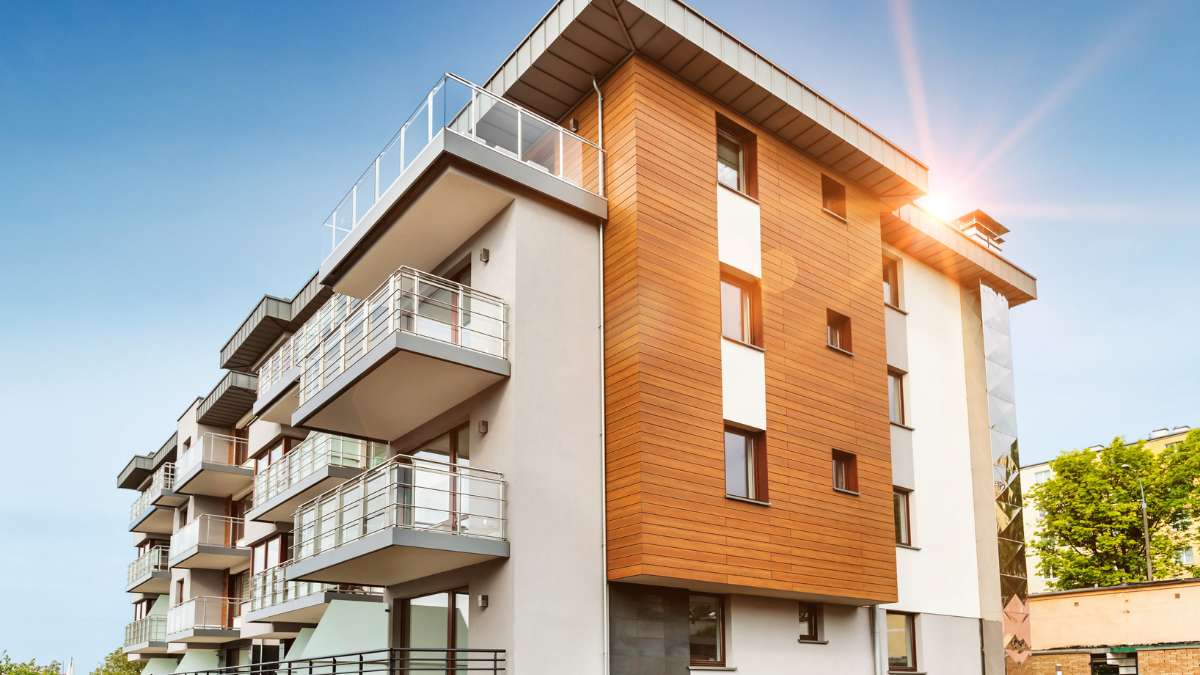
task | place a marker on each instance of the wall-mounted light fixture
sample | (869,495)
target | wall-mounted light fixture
(483,427)
(485,255)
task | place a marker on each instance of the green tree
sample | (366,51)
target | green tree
(30,667)
(116,663)
(1091,527)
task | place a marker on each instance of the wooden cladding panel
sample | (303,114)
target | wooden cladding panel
(668,517)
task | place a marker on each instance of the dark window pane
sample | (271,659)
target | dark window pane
(738,451)
(704,627)
(900,511)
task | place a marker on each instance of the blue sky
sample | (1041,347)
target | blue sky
(163,164)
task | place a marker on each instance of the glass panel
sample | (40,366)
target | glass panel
(732,302)
(428,621)
(704,628)
(737,461)
(896,398)
(900,511)
(539,143)
(900,641)
(497,123)
(729,163)
(891,288)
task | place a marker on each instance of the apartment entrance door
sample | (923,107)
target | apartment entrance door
(432,626)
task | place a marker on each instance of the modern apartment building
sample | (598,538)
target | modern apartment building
(636,358)
(1032,474)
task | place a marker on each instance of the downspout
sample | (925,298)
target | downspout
(604,653)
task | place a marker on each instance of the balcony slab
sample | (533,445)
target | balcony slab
(207,557)
(158,581)
(154,520)
(306,610)
(213,479)
(278,402)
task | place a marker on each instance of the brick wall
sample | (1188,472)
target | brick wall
(1169,662)
(1051,664)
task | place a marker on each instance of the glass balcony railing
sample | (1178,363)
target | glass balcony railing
(405,492)
(212,448)
(203,613)
(153,560)
(409,301)
(269,588)
(457,106)
(163,480)
(145,630)
(314,453)
(207,530)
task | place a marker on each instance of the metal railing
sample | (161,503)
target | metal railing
(204,612)
(270,587)
(407,492)
(455,105)
(153,560)
(409,301)
(151,628)
(207,530)
(162,480)
(272,370)
(212,448)
(315,452)
(381,662)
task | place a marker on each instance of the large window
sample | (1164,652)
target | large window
(845,472)
(901,641)
(901,515)
(896,397)
(745,464)
(891,282)
(833,197)
(706,629)
(740,315)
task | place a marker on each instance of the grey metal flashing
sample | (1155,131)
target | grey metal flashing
(400,537)
(191,635)
(308,300)
(166,452)
(551,71)
(145,647)
(265,323)
(446,148)
(276,391)
(386,348)
(230,399)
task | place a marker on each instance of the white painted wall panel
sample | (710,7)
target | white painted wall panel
(762,639)
(739,238)
(743,384)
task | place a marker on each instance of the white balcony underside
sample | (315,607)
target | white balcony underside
(154,521)
(278,402)
(214,480)
(205,635)
(451,207)
(154,582)
(396,555)
(207,557)
(402,382)
(152,647)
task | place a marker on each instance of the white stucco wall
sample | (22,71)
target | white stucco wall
(199,659)
(942,576)
(762,639)
(159,665)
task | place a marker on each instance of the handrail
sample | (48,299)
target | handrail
(315,452)
(152,628)
(204,612)
(476,114)
(394,661)
(406,492)
(213,448)
(153,560)
(162,480)
(409,301)
(207,530)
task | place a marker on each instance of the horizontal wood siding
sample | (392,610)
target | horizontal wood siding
(668,517)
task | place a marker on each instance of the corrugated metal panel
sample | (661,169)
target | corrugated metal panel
(228,401)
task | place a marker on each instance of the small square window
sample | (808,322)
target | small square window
(741,318)
(901,641)
(838,331)
(729,162)
(845,471)
(745,463)
(896,397)
(891,282)
(833,196)
(810,621)
(900,513)
(706,630)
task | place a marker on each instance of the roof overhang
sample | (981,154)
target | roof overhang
(551,71)
(947,249)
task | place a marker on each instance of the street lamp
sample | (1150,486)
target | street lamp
(1145,527)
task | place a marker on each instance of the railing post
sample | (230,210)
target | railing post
(473,114)
(520,150)
(354,205)
(562,142)
(429,113)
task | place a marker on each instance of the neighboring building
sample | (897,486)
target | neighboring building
(1133,629)
(624,397)
(1032,474)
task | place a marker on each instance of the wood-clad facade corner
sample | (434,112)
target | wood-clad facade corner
(669,521)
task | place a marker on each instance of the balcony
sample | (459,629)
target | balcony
(423,195)
(147,635)
(403,520)
(277,379)
(275,599)
(204,620)
(418,345)
(228,401)
(381,662)
(209,542)
(150,573)
(213,466)
(315,465)
(152,511)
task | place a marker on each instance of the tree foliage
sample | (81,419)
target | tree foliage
(1091,525)
(116,663)
(30,667)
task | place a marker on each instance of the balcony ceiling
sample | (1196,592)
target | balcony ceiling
(551,71)
(228,401)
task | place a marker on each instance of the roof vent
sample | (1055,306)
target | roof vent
(983,228)
(1160,432)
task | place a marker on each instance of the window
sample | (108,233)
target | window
(833,196)
(1041,476)
(896,397)
(1187,556)
(741,319)
(891,282)
(838,331)
(178,592)
(810,622)
(901,641)
(706,629)
(845,471)
(729,162)
(900,513)
(745,463)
